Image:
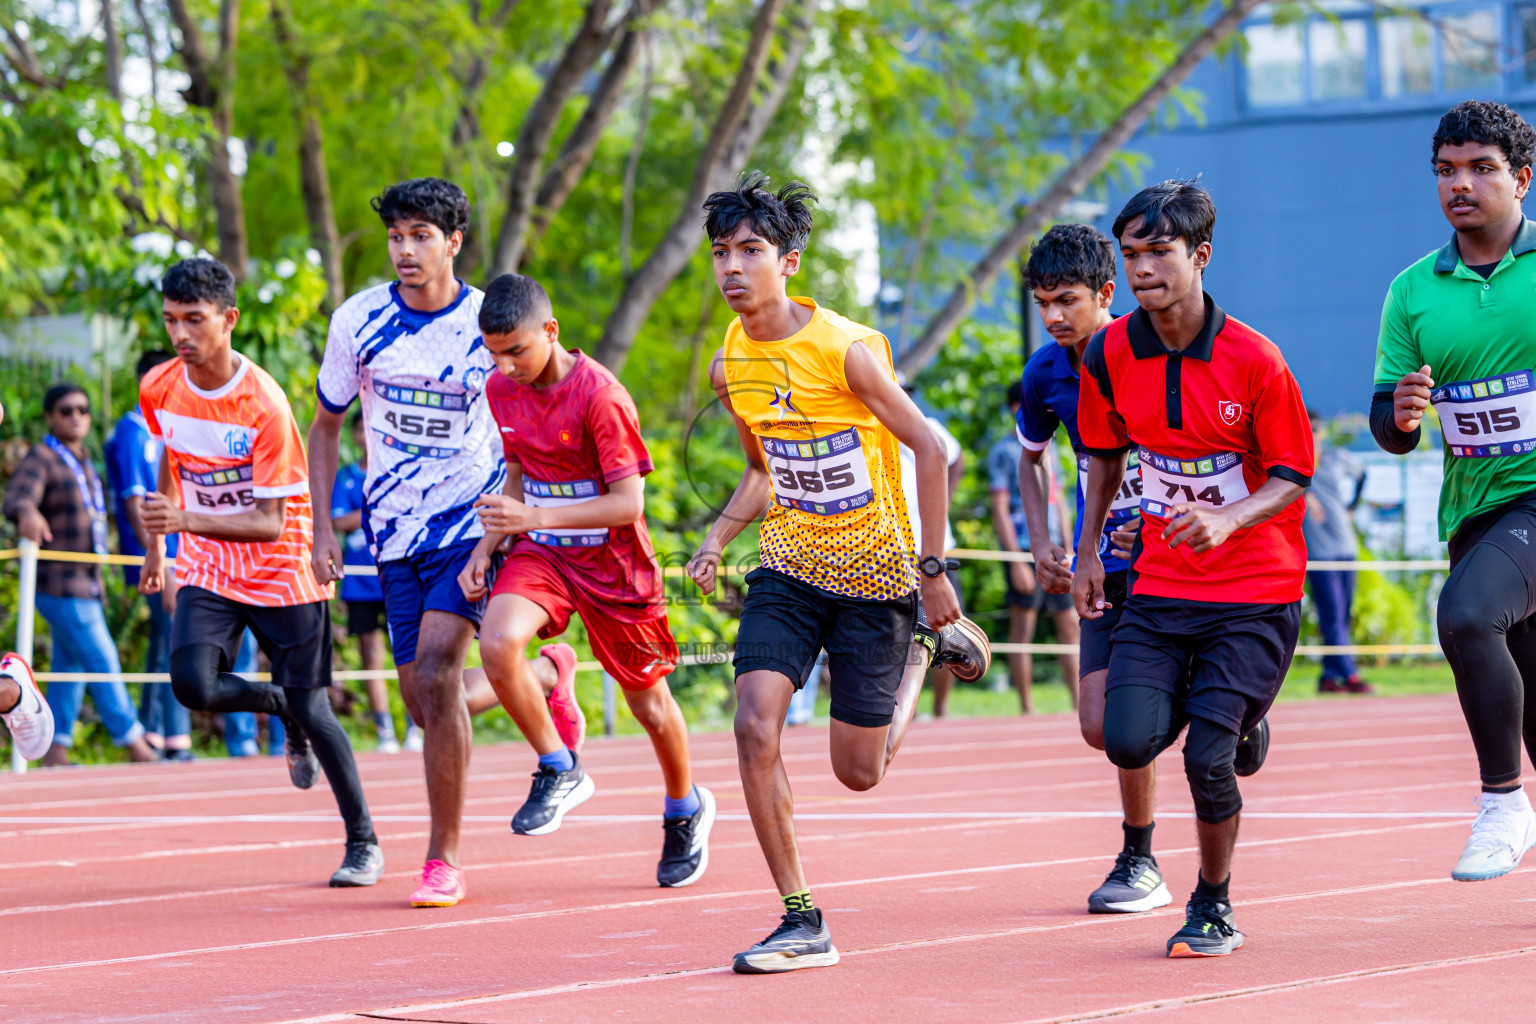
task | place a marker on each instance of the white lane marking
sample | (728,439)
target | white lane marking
(633,904)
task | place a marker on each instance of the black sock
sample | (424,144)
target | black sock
(1138,838)
(1213,890)
(1508,787)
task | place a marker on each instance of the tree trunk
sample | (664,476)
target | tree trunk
(1067,185)
(314,179)
(149,51)
(585,47)
(112,47)
(632,168)
(737,128)
(565,171)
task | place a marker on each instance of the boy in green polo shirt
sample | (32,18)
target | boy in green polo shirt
(1459,332)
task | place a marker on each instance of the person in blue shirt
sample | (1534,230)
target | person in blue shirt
(133,460)
(1072,273)
(363,594)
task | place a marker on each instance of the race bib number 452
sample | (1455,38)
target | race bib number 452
(220,492)
(427,424)
(1488,418)
(821,475)
(1210,480)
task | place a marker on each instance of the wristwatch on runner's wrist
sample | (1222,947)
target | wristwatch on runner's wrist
(933,567)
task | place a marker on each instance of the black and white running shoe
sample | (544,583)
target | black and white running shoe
(962,647)
(685,851)
(362,865)
(1252,749)
(553,793)
(1207,930)
(303,765)
(801,940)
(1135,885)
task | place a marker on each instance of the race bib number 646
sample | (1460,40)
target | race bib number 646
(1210,480)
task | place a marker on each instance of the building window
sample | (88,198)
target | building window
(1275,57)
(1470,51)
(1407,56)
(1338,59)
(1526,33)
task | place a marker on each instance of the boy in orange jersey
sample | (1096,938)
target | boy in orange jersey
(575,503)
(821,419)
(234,455)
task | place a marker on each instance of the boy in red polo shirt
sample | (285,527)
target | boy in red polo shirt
(575,505)
(1210,626)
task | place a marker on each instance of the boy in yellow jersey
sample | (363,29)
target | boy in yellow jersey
(822,419)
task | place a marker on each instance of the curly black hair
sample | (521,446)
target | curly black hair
(783,217)
(1070,254)
(1488,124)
(432,199)
(199,279)
(1171,209)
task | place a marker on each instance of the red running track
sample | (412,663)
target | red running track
(956,890)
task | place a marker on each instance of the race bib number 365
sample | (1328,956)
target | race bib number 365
(1488,418)
(1210,480)
(821,475)
(221,492)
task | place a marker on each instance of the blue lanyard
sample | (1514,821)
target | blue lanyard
(90,493)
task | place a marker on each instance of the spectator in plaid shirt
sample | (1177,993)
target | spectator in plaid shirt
(56,499)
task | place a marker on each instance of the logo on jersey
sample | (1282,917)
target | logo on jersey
(474,379)
(238,442)
(1231,412)
(1522,536)
(781,402)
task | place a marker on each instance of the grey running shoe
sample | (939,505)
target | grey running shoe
(685,851)
(303,765)
(363,865)
(1252,749)
(801,940)
(1133,886)
(553,793)
(962,646)
(1207,930)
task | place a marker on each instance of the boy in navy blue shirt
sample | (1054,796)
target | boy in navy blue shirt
(1072,272)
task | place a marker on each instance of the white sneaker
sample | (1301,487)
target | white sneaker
(31,720)
(388,744)
(1505,828)
(413,738)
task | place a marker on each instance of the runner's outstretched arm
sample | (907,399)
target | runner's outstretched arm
(261,521)
(324,458)
(746,504)
(1053,565)
(873,385)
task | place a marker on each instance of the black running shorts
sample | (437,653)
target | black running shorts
(295,638)
(364,617)
(786,623)
(1223,662)
(1511,528)
(1093,635)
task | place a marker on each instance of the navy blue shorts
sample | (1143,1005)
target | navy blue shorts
(1222,662)
(1094,634)
(423,583)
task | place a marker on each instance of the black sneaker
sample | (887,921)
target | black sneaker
(1207,929)
(303,765)
(1135,885)
(553,793)
(1252,749)
(801,940)
(962,647)
(362,865)
(685,851)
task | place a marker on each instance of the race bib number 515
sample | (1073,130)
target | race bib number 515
(821,475)
(1210,480)
(1488,418)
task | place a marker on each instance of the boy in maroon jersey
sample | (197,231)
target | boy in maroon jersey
(1225,446)
(574,505)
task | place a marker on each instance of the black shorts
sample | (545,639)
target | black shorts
(295,638)
(364,617)
(786,623)
(1511,528)
(1093,634)
(1038,600)
(1223,662)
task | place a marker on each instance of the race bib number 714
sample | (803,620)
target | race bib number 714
(1210,480)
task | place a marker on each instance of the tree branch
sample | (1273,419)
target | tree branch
(632,167)
(23,60)
(583,50)
(737,128)
(1067,185)
(148,31)
(135,205)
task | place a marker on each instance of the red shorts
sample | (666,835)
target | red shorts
(637,654)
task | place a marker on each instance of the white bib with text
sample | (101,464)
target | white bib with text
(426,424)
(821,475)
(220,492)
(538,494)
(1489,418)
(1210,480)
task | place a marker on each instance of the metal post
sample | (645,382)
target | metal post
(26,608)
(609,709)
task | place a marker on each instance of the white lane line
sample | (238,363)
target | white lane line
(985,869)
(929,943)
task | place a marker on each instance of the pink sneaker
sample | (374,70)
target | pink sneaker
(442,885)
(570,722)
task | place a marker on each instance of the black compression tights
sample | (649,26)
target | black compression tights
(1493,656)
(198,683)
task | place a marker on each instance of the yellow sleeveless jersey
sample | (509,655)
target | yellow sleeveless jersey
(838,520)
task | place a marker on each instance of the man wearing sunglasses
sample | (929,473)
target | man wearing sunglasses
(56,498)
